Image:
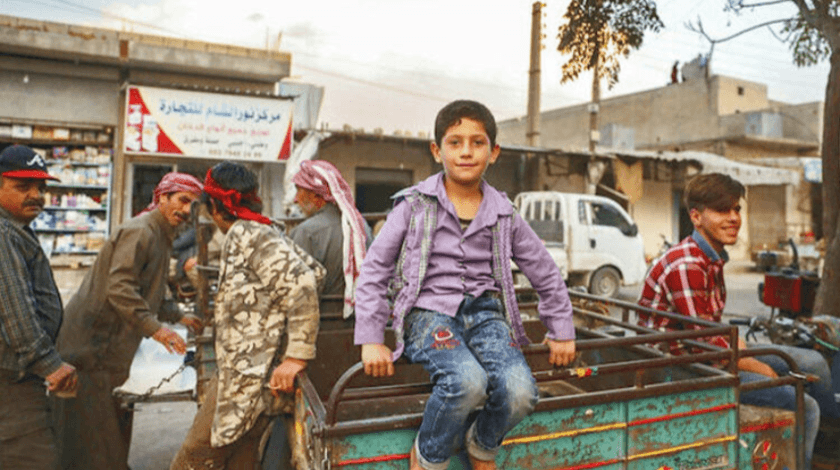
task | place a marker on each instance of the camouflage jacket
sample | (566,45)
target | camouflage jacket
(266,309)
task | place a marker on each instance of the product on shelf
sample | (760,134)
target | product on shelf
(75,215)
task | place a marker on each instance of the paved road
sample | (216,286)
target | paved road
(159,429)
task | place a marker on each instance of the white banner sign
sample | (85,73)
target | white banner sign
(207,125)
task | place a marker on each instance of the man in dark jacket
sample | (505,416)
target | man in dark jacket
(30,316)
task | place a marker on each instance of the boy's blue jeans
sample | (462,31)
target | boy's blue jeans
(469,357)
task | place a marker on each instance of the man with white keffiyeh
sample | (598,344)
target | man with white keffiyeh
(334,232)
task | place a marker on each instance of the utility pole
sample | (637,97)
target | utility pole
(594,135)
(534,75)
(595,168)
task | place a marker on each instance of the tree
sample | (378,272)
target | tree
(597,33)
(813,35)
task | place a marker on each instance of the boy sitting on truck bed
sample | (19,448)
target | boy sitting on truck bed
(450,240)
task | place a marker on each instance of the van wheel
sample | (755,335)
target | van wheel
(605,282)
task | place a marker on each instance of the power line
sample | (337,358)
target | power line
(83,8)
(658,59)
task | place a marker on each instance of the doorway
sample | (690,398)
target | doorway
(374,188)
(146,179)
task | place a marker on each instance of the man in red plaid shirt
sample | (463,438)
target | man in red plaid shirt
(688,279)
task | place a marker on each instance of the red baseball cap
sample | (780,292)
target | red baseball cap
(20,161)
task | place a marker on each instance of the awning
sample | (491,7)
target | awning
(748,174)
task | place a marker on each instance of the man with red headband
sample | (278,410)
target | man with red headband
(30,315)
(120,301)
(334,232)
(265,319)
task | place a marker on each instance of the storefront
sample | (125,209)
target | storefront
(91,102)
(166,129)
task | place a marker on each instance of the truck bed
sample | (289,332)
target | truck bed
(623,404)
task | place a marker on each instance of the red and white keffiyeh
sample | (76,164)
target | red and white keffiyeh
(174,182)
(324,179)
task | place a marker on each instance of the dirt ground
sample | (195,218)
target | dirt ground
(159,429)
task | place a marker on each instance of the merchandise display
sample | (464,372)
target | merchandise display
(76,214)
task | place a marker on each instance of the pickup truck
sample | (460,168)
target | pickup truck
(593,240)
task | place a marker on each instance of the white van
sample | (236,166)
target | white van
(591,238)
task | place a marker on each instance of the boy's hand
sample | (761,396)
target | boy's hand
(562,352)
(377,360)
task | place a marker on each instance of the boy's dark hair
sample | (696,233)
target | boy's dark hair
(714,191)
(229,175)
(452,114)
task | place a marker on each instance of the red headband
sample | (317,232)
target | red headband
(232,199)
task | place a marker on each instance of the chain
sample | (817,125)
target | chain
(146,396)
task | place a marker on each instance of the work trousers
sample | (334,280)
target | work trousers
(93,429)
(27,438)
(196,453)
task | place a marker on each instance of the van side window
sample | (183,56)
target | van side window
(603,214)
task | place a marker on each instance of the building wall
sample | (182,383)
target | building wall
(767,225)
(664,116)
(674,117)
(349,154)
(803,121)
(559,173)
(732,95)
(60,99)
(799,206)
(653,215)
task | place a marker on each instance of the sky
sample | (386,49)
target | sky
(392,64)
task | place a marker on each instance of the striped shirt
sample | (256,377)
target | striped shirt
(30,304)
(687,279)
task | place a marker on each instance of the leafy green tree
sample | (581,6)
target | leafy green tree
(596,34)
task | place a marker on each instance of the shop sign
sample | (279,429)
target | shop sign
(162,121)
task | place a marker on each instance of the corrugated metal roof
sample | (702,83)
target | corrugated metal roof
(746,173)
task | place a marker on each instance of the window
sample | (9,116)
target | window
(603,214)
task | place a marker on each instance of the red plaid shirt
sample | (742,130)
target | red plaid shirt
(686,280)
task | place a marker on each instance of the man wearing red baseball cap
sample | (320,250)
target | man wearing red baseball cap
(30,315)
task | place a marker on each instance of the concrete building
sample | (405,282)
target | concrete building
(706,117)
(376,165)
(66,90)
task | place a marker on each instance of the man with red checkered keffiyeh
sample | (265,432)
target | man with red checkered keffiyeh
(688,279)
(334,232)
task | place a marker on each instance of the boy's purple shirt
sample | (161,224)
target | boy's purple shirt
(446,281)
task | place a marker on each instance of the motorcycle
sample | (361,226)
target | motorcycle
(790,293)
